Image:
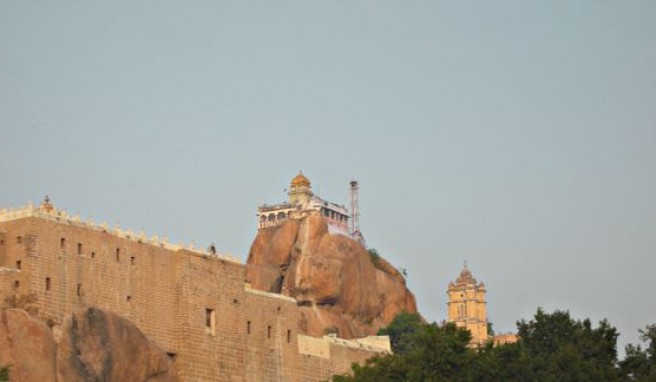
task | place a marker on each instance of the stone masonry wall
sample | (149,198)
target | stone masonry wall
(66,267)
(195,307)
(211,347)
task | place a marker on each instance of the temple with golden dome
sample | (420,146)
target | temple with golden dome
(300,203)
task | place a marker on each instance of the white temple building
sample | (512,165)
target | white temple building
(302,201)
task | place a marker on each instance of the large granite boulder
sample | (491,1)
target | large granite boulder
(98,345)
(338,284)
(94,345)
(27,347)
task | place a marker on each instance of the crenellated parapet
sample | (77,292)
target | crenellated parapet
(46,211)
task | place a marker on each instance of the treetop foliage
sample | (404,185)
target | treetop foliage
(639,364)
(552,347)
(4,373)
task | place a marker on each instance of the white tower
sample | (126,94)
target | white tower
(354,230)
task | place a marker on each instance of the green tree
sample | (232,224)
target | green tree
(402,331)
(639,364)
(560,348)
(552,347)
(4,373)
(430,353)
(507,362)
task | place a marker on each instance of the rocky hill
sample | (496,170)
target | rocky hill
(339,285)
(94,345)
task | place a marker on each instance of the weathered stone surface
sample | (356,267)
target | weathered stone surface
(271,252)
(27,346)
(101,346)
(332,277)
(95,345)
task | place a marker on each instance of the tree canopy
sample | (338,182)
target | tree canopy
(552,347)
(402,331)
(639,364)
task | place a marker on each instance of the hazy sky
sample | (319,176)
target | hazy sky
(519,135)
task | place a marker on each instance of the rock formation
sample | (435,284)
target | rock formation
(338,284)
(94,345)
(27,347)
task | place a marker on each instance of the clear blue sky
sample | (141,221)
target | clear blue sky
(519,135)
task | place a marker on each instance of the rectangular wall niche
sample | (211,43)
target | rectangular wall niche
(210,321)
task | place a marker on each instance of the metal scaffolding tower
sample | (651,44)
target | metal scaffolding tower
(354,229)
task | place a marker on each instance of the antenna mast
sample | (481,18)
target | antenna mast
(355,212)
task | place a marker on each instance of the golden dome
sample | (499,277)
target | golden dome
(300,180)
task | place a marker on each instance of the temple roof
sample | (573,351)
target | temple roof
(300,180)
(466,278)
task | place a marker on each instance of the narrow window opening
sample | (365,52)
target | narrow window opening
(128,298)
(118,254)
(18,264)
(248,327)
(19,239)
(172,356)
(289,336)
(210,321)
(62,243)
(16,284)
(48,284)
(269,331)
(79,248)
(132,260)
(93,255)
(2,242)
(79,290)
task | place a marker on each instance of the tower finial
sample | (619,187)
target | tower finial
(466,264)
(46,205)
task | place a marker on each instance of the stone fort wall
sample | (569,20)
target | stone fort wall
(195,306)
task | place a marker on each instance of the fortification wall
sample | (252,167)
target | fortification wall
(194,306)
(66,267)
(2,247)
(271,328)
(211,313)
(7,278)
